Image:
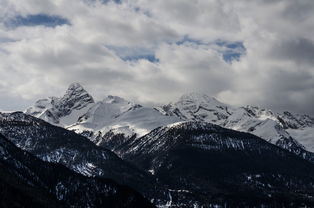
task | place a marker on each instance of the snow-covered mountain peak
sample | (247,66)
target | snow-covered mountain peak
(64,110)
(271,126)
(75,97)
(197,107)
(198,98)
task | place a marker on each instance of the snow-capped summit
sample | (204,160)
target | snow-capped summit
(198,107)
(65,110)
(199,98)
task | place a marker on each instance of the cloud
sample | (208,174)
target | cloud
(256,52)
(300,50)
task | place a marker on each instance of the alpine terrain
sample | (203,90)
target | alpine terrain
(196,152)
(290,131)
(77,111)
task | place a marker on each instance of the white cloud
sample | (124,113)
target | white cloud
(276,70)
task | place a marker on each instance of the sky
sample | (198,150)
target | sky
(257,52)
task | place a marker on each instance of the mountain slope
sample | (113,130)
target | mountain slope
(54,144)
(26,181)
(205,164)
(120,117)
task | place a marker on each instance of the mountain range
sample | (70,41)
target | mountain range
(195,152)
(78,111)
(220,166)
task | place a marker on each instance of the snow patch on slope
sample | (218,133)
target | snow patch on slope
(305,136)
(123,117)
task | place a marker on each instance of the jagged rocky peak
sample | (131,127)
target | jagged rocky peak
(76,97)
(76,89)
(60,110)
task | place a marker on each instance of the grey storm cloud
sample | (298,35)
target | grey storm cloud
(300,50)
(290,90)
(256,52)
